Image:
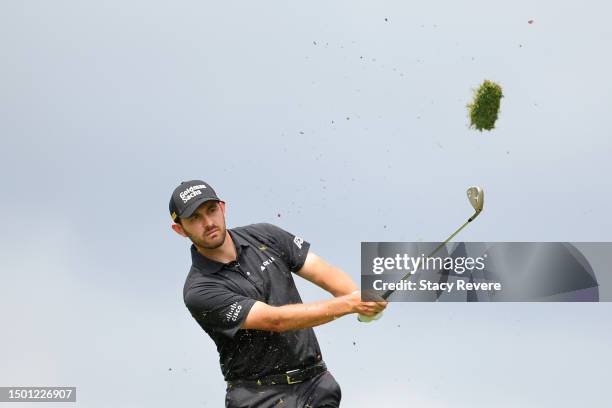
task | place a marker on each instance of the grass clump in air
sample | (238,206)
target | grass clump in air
(485,107)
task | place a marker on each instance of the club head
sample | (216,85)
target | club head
(476,196)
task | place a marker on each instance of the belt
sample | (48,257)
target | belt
(290,377)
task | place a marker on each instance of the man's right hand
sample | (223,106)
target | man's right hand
(366,308)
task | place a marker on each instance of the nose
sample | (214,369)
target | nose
(208,221)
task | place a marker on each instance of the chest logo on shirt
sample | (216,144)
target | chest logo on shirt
(267,262)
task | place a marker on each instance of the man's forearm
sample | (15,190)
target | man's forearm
(340,283)
(326,276)
(297,316)
(300,316)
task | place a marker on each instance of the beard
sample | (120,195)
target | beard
(207,242)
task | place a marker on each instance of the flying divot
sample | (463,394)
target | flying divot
(484,108)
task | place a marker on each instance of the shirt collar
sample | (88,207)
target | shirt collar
(206,264)
(239,242)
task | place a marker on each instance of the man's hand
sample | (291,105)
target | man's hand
(366,308)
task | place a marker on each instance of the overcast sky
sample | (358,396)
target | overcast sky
(339,121)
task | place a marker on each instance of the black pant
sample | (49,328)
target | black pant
(321,391)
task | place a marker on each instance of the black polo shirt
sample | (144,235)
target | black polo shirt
(219,297)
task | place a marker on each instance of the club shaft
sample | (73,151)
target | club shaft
(390,292)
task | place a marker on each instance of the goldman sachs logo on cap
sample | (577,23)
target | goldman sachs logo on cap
(191,192)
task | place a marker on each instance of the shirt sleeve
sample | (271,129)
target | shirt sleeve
(293,249)
(217,308)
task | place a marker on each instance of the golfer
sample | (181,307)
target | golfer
(240,290)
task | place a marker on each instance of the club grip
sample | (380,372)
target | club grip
(368,319)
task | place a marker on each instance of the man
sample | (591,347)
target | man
(240,290)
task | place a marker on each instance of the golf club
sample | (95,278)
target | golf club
(476,197)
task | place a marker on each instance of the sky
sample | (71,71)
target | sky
(339,121)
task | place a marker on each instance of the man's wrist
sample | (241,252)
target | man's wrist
(347,303)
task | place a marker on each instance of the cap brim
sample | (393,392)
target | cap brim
(194,206)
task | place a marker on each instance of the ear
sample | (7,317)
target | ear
(222,205)
(179,230)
